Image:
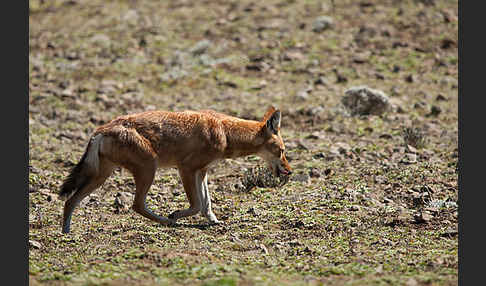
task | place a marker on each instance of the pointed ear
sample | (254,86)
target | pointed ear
(273,123)
(269,113)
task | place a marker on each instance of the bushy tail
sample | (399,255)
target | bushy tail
(84,171)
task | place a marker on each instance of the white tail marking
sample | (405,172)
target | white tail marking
(93,157)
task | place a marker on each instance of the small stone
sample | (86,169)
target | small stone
(441,97)
(411,149)
(328,172)
(67,93)
(422,217)
(322,23)
(302,177)
(315,111)
(409,158)
(252,211)
(34,244)
(102,40)
(131,17)
(123,201)
(302,95)
(379,269)
(354,208)
(263,248)
(319,155)
(314,173)
(435,111)
(411,282)
(314,135)
(200,47)
(450,232)
(386,136)
(321,80)
(235,238)
(239,186)
(302,145)
(340,148)
(410,78)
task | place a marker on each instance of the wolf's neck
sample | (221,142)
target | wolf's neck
(243,137)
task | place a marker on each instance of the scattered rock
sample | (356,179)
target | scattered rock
(386,136)
(441,97)
(379,76)
(263,248)
(34,244)
(322,23)
(262,84)
(321,81)
(131,17)
(411,149)
(292,55)
(447,43)
(340,148)
(441,204)
(101,40)
(314,135)
(200,47)
(340,78)
(410,78)
(362,100)
(235,238)
(379,269)
(434,111)
(450,232)
(302,145)
(409,158)
(319,155)
(380,179)
(302,95)
(314,173)
(411,282)
(67,93)
(252,211)
(313,111)
(422,217)
(354,208)
(123,201)
(239,186)
(302,177)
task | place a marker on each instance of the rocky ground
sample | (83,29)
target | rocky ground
(368,92)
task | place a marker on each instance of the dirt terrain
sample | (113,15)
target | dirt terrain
(373,197)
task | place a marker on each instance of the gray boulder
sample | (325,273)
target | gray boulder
(362,100)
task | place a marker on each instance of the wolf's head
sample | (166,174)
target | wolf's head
(273,148)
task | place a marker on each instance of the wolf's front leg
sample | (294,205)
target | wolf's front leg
(206,198)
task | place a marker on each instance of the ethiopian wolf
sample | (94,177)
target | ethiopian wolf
(188,140)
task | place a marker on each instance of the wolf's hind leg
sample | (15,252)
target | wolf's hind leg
(193,190)
(144,177)
(106,168)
